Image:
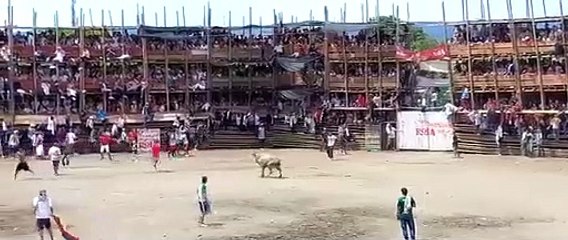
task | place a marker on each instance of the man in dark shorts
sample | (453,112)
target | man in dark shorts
(43,210)
(22,164)
(55,156)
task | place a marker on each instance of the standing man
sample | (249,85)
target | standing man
(329,146)
(156,153)
(133,140)
(203,201)
(43,210)
(70,139)
(54,153)
(404,206)
(391,136)
(105,140)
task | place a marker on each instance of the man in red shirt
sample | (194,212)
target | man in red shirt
(156,153)
(105,140)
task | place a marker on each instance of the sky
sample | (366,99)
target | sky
(262,10)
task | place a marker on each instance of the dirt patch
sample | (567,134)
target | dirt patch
(476,222)
(15,222)
(340,224)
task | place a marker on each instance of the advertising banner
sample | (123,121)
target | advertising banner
(424,131)
(146,137)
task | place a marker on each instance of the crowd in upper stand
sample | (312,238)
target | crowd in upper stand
(59,73)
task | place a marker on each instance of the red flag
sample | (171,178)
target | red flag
(64,233)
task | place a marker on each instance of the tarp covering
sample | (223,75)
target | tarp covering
(295,94)
(435,66)
(293,64)
(423,81)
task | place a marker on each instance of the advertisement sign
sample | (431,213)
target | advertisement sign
(424,131)
(146,137)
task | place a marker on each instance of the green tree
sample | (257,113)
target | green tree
(410,35)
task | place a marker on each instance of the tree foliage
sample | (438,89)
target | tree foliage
(410,35)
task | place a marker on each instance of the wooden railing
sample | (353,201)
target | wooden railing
(527,80)
(500,49)
(358,52)
(337,82)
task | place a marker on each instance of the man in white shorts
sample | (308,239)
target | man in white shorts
(105,140)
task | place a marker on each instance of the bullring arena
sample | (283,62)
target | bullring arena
(353,197)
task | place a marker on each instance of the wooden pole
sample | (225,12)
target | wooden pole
(156,19)
(34,60)
(57,72)
(165,13)
(493,55)
(177,18)
(448,48)
(563,22)
(183,15)
(103,32)
(327,66)
(275,40)
(11,63)
(465,5)
(209,55)
(91,18)
(137,14)
(379,53)
(110,18)
(82,63)
(230,55)
(398,65)
(143,17)
(512,26)
(366,51)
(538,60)
(122,61)
(544,8)
(249,71)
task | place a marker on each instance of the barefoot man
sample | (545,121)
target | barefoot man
(22,164)
(203,201)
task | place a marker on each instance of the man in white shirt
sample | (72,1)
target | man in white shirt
(391,136)
(43,210)
(329,146)
(54,153)
(203,200)
(70,139)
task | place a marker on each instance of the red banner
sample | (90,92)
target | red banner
(437,53)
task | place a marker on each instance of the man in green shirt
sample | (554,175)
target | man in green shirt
(404,206)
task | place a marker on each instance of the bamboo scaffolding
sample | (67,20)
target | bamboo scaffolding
(34,61)
(493,55)
(398,65)
(250,59)
(563,21)
(82,62)
(209,55)
(11,63)
(465,5)
(379,55)
(167,67)
(230,56)
(448,48)
(366,51)
(122,60)
(57,70)
(103,44)
(519,90)
(538,63)
(327,66)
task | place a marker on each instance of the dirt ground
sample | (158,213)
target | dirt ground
(477,197)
